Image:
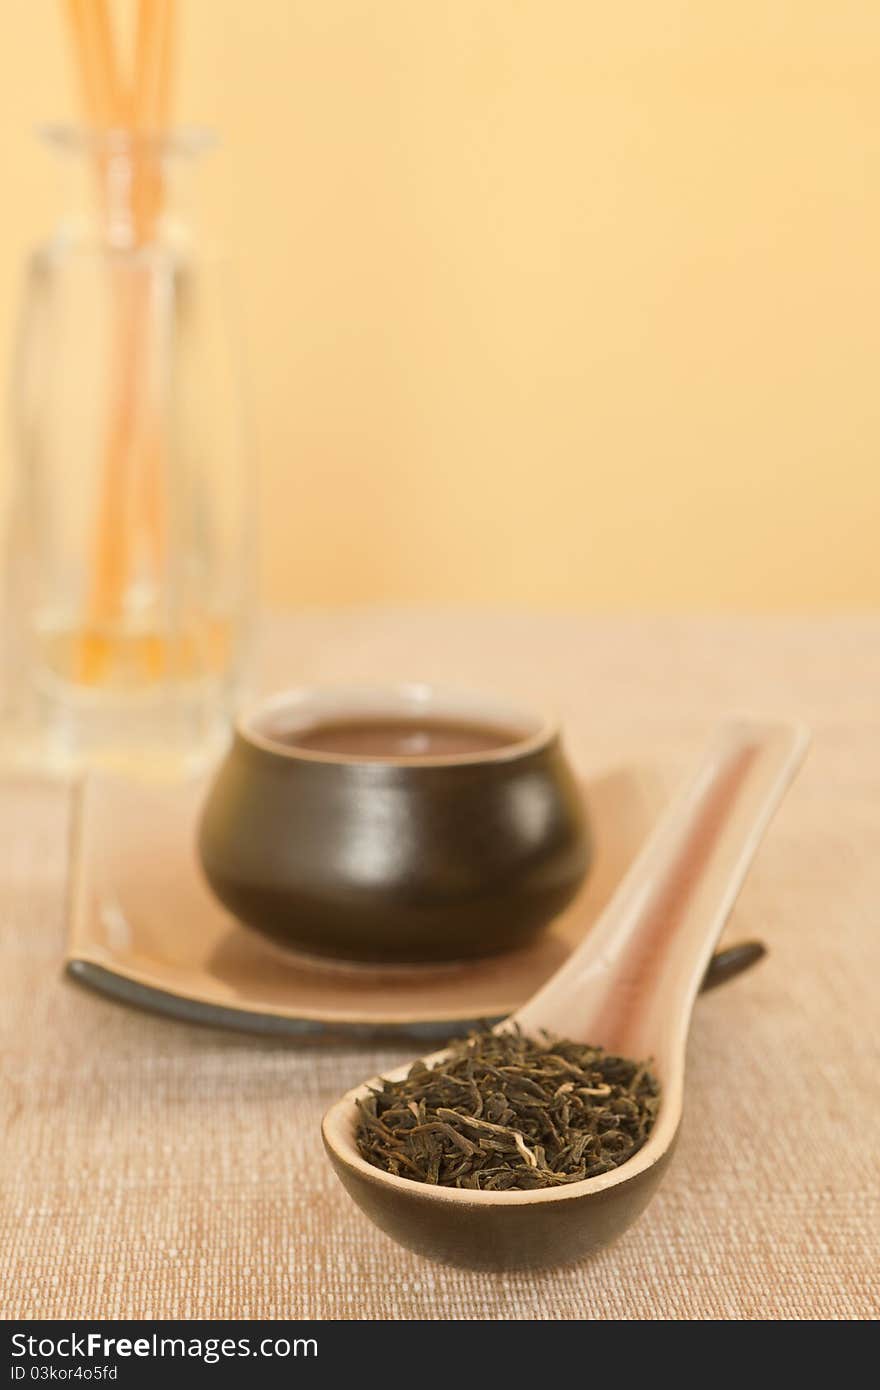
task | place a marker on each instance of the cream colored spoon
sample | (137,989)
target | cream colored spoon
(630,987)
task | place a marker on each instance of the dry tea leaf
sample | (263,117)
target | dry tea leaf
(506,1112)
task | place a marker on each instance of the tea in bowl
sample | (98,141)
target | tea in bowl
(399,824)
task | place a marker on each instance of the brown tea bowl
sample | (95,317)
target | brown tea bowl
(439,857)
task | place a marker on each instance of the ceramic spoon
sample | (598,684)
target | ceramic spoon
(630,986)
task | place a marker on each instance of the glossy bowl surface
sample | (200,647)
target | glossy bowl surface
(373,859)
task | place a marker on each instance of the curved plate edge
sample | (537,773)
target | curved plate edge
(187,1010)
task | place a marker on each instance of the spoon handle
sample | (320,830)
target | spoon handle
(637,972)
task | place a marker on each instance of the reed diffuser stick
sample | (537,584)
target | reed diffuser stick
(96,59)
(132,513)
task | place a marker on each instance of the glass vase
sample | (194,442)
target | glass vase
(130,537)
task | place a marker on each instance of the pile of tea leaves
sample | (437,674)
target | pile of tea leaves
(503,1112)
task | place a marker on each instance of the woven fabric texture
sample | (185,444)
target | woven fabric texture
(151,1168)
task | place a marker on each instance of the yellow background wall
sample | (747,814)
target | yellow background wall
(547,301)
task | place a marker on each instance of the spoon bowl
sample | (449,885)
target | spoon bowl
(630,987)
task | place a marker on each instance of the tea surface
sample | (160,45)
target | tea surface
(402,738)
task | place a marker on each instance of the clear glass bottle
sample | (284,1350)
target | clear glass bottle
(130,545)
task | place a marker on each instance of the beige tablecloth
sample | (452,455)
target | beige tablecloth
(150,1168)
